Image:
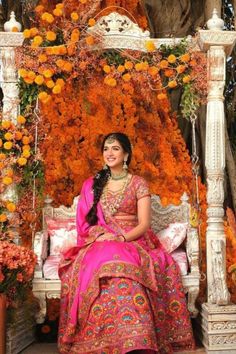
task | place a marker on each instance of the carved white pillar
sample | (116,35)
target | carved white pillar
(8,42)
(218,323)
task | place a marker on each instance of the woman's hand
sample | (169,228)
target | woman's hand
(106,237)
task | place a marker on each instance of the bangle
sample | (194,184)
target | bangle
(123,237)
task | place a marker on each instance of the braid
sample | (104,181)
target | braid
(99,183)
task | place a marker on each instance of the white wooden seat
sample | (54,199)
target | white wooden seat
(161,217)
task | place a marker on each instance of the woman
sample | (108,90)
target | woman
(121,292)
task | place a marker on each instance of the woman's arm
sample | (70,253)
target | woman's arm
(144,219)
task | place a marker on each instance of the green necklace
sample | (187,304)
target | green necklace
(118,177)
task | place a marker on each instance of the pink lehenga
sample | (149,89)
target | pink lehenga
(119,297)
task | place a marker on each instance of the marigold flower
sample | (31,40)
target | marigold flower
(138,66)
(186,79)
(60,82)
(26,153)
(42,58)
(172,84)
(91,22)
(75,36)
(60,63)
(37,40)
(10,172)
(107,69)
(39,80)
(60,5)
(193,62)
(171,58)
(126,77)
(56,89)
(6,124)
(2,156)
(23,73)
(47,17)
(1,142)
(34,31)
(1,165)
(180,69)
(57,12)
(8,136)
(50,83)
(153,70)
(28,80)
(89,40)
(18,135)
(43,96)
(51,36)
(169,72)
(62,49)
(163,64)
(26,147)
(11,207)
(83,65)
(161,96)
(129,65)
(150,46)
(67,66)
(83,1)
(21,119)
(121,68)
(7,180)
(25,140)
(22,161)
(7,145)
(27,33)
(47,73)
(110,81)
(185,58)
(14,29)
(74,16)
(39,8)
(3,217)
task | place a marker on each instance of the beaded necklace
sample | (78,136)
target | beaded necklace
(113,207)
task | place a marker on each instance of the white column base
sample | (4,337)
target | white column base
(218,327)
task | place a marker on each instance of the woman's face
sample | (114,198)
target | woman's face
(113,154)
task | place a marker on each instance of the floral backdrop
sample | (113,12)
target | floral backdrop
(84,94)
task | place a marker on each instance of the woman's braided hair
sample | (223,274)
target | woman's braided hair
(102,176)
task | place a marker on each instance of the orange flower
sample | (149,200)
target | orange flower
(8,136)
(172,84)
(51,36)
(185,58)
(107,69)
(3,217)
(14,29)
(57,12)
(89,40)
(18,135)
(67,66)
(34,31)
(161,96)
(153,70)
(126,77)
(9,172)
(27,33)
(6,124)
(47,73)
(150,46)
(91,22)
(110,81)
(7,180)
(11,207)
(22,161)
(7,145)
(171,58)
(60,6)
(2,156)
(50,83)
(1,143)
(74,16)
(129,65)
(75,35)
(42,58)
(60,82)
(180,69)
(39,80)
(186,79)
(163,64)
(37,40)
(26,153)
(39,8)
(43,96)
(121,68)
(47,17)
(169,72)
(25,140)
(83,1)
(22,72)
(26,147)
(60,63)
(56,89)
(21,119)
(138,67)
